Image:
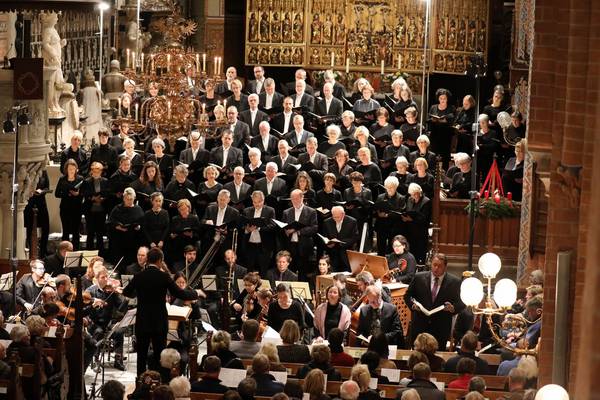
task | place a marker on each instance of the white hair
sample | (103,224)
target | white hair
(239,169)
(224,192)
(391,181)
(283,141)
(169,358)
(414,188)
(399,82)
(312,140)
(232,108)
(271,164)
(158,142)
(334,129)
(402,160)
(298,117)
(78,135)
(253,96)
(180,386)
(19,332)
(301,82)
(264,123)
(254,151)
(129,192)
(348,114)
(397,132)
(423,138)
(410,394)
(483,117)
(129,82)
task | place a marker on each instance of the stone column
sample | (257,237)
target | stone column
(33,158)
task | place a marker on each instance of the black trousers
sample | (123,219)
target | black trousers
(159,342)
(257,257)
(71,222)
(96,228)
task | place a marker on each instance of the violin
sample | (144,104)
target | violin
(113,285)
(68,311)
(46,280)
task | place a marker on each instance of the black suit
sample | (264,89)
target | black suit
(195,165)
(246,117)
(389,323)
(302,250)
(307,101)
(438,324)
(27,290)
(426,389)
(271,149)
(273,275)
(278,123)
(236,201)
(150,286)
(292,138)
(321,162)
(282,166)
(348,234)
(210,214)
(251,86)
(234,157)
(258,255)
(335,108)
(276,102)
(241,133)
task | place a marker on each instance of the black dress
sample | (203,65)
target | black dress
(43,220)
(441,131)
(417,231)
(165,166)
(277,315)
(95,192)
(155,227)
(71,197)
(382,136)
(390,226)
(465,120)
(330,149)
(125,243)
(410,134)
(406,263)
(362,212)
(512,178)
(206,196)
(426,182)
(143,191)
(179,238)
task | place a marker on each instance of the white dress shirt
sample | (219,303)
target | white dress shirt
(259,85)
(252,117)
(265,141)
(225,153)
(287,122)
(268,101)
(220,216)
(297,213)
(255,235)
(327,105)
(269,186)
(298,99)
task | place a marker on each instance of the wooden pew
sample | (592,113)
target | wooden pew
(492,382)
(402,355)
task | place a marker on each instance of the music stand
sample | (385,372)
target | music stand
(87,256)
(209,283)
(6,281)
(359,262)
(300,290)
(73,264)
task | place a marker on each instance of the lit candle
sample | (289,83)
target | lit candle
(203,108)
(169,109)
(119,100)
(136,111)
(133,60)
(332,59)
(225,104)
(129,110)
(399,61)
(197,62)
(220,65)
(215,66)
(347,64)
(152,63)
(203,62)
(382,67)
(168,62)
(127,58)
(142,62)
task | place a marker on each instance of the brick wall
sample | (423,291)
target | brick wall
(564,98)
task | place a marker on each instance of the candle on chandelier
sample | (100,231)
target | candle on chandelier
(203,108)
(136,111)
(382,67)
(152,63)
(169,109)
(142,61)
(215,66)
(168,62)
(332,59)
(347,64)
(133,60)
(119,100)
(225,104)
(203,62)
(127,58)
(399,61)
(219,65)
(197,62)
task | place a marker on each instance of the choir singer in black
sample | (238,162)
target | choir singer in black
(379,317)
(343,228)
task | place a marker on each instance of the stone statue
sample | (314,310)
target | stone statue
(113,82)
(253,28)
(91,99)
(52,46)
(72,112)
(253,56)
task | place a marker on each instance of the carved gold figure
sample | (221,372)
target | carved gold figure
(264,27)
(298,29)
(287,28)
(253,28)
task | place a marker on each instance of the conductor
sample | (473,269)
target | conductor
(150,287)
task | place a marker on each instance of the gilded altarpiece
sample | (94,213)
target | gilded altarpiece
(366,34)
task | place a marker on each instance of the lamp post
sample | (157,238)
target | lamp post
(497,302)
(10,128)
(424,71)
(102,6)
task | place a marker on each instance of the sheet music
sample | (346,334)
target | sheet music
(208,327)
(393,375)
(426,311)
(232,377)
(280,376)
(6,281)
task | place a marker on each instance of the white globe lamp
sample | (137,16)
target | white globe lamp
(471,292)
(505,293)
(552,392)
(489,265)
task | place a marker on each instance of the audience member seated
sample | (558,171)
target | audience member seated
(181,387)
(371,360)
(148,381)
(338,356)
(379,345)
(466,369)
(265,382)
(247,347)
(247,388)
(517,379)
(360,374)
(314,385)
(290,351)
(220,342)
(170,367)
(349,390)
(474,396)
(270,350)
(321,359)
(292,389)
(112,390)
(477,384)
(162,392)
(232,394)
(421,383)
(285,308)
(428,345)
(4,367)
(210,382)
(409,394)
(414,358)
(468,345)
